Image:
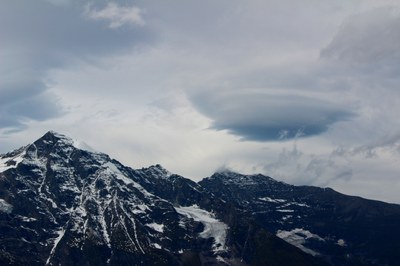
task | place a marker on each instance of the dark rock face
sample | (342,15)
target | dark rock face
(344,230)
(61,204)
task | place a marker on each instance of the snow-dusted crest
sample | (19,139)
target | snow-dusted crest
(63,203)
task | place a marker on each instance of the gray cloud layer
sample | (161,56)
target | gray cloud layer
(370,37)
(266,117)
(264,71)
(38,36)
(360,61)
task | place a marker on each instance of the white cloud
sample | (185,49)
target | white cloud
(135,99)
(369,37)
(117,16)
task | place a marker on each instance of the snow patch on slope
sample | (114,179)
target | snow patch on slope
(83,146)
(284,210)
(11,162)
(60,234)
(268,199)
(5,206)
(212,227)
(297,237)
(157,227)
(113,170)
(157,246)
(341,242)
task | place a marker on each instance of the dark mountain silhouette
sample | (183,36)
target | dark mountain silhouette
(63,204)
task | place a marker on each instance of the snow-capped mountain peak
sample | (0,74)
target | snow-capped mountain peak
(73,201)
(53,137)
(158,171)
(61,203)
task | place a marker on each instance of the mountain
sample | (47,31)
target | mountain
(344,230)
(63,204)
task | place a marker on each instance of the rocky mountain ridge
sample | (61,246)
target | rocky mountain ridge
(62,203)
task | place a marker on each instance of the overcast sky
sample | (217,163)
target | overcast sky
(307,92)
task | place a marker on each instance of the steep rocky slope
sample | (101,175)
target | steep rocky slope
(63,204)
(344,230)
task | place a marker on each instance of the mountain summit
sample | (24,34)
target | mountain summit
(61,203)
